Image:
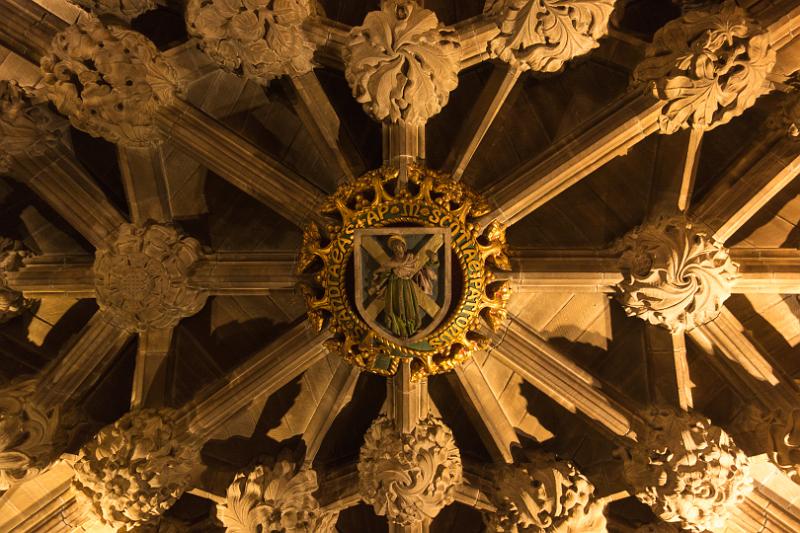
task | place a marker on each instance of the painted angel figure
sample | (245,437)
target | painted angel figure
(397,281)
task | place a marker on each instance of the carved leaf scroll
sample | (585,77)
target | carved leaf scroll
(708,67)
(402,63)
(542,35)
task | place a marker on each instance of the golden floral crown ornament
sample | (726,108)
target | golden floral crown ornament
(385,302)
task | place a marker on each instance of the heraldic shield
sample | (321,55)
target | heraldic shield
(403,280)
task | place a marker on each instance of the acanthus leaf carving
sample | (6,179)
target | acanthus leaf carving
(142,281)
(674,274)
(109,81)
(125,10)
(544,494)
(275,496)
(542,35)
(259,39)
(402,63)
(686,469)
(134,469)
(707,67)
(29,434)
(12,302)
(27,126)
(409,477)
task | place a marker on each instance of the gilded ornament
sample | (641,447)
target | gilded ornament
(402,63)
(141,280)
(27,126)
(707,67)
(125,10)
(686,469)
(402,270)
(544,495)
(275,497)
(29,434)
(674,274)
(409,477)
(257,39)
(135,469)
(542,35)
(109,81)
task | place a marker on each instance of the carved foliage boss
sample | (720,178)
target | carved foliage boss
(542,35)
(260,39)
(687,469)
(544,495)
(675,275)
(402,63)
(12,302)
(109,81)
(409,477)
(142,279)
(707,66)
(135,469)
(277,497)
(122,9)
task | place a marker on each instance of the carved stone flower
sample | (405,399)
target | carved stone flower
(12,302)
(28,434)
(276,497)
(109,81)
(135,469)
(142,279)
(545,494)
(675,275)
(402,63)
(543,35)
(122,9)
(27,127)
(707,66)
(258,39)
(408,477)
(686,469)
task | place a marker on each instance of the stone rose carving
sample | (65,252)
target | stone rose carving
(545,494)
(686,469)
(142,279)
(27,126)
(122,9)
(402,63)
(259,39)
(109,81)
(707,66)
(29,437)
(12,302)
(275,497)
(675,275)
(543,35)
(135,469)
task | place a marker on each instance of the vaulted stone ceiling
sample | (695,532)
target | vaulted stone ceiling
(165,169)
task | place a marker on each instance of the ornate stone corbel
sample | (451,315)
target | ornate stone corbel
(109,81)
(125,10)
(543,35)
(409,477)
(707,67)
(277,496)
(402,63)
(12,302)
(260,39)
(544,494)
(675,274)
(135,469)
(27,126)
(29,434)
(686,469)
(142,280)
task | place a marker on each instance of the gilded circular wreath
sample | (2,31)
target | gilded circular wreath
(402,270)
